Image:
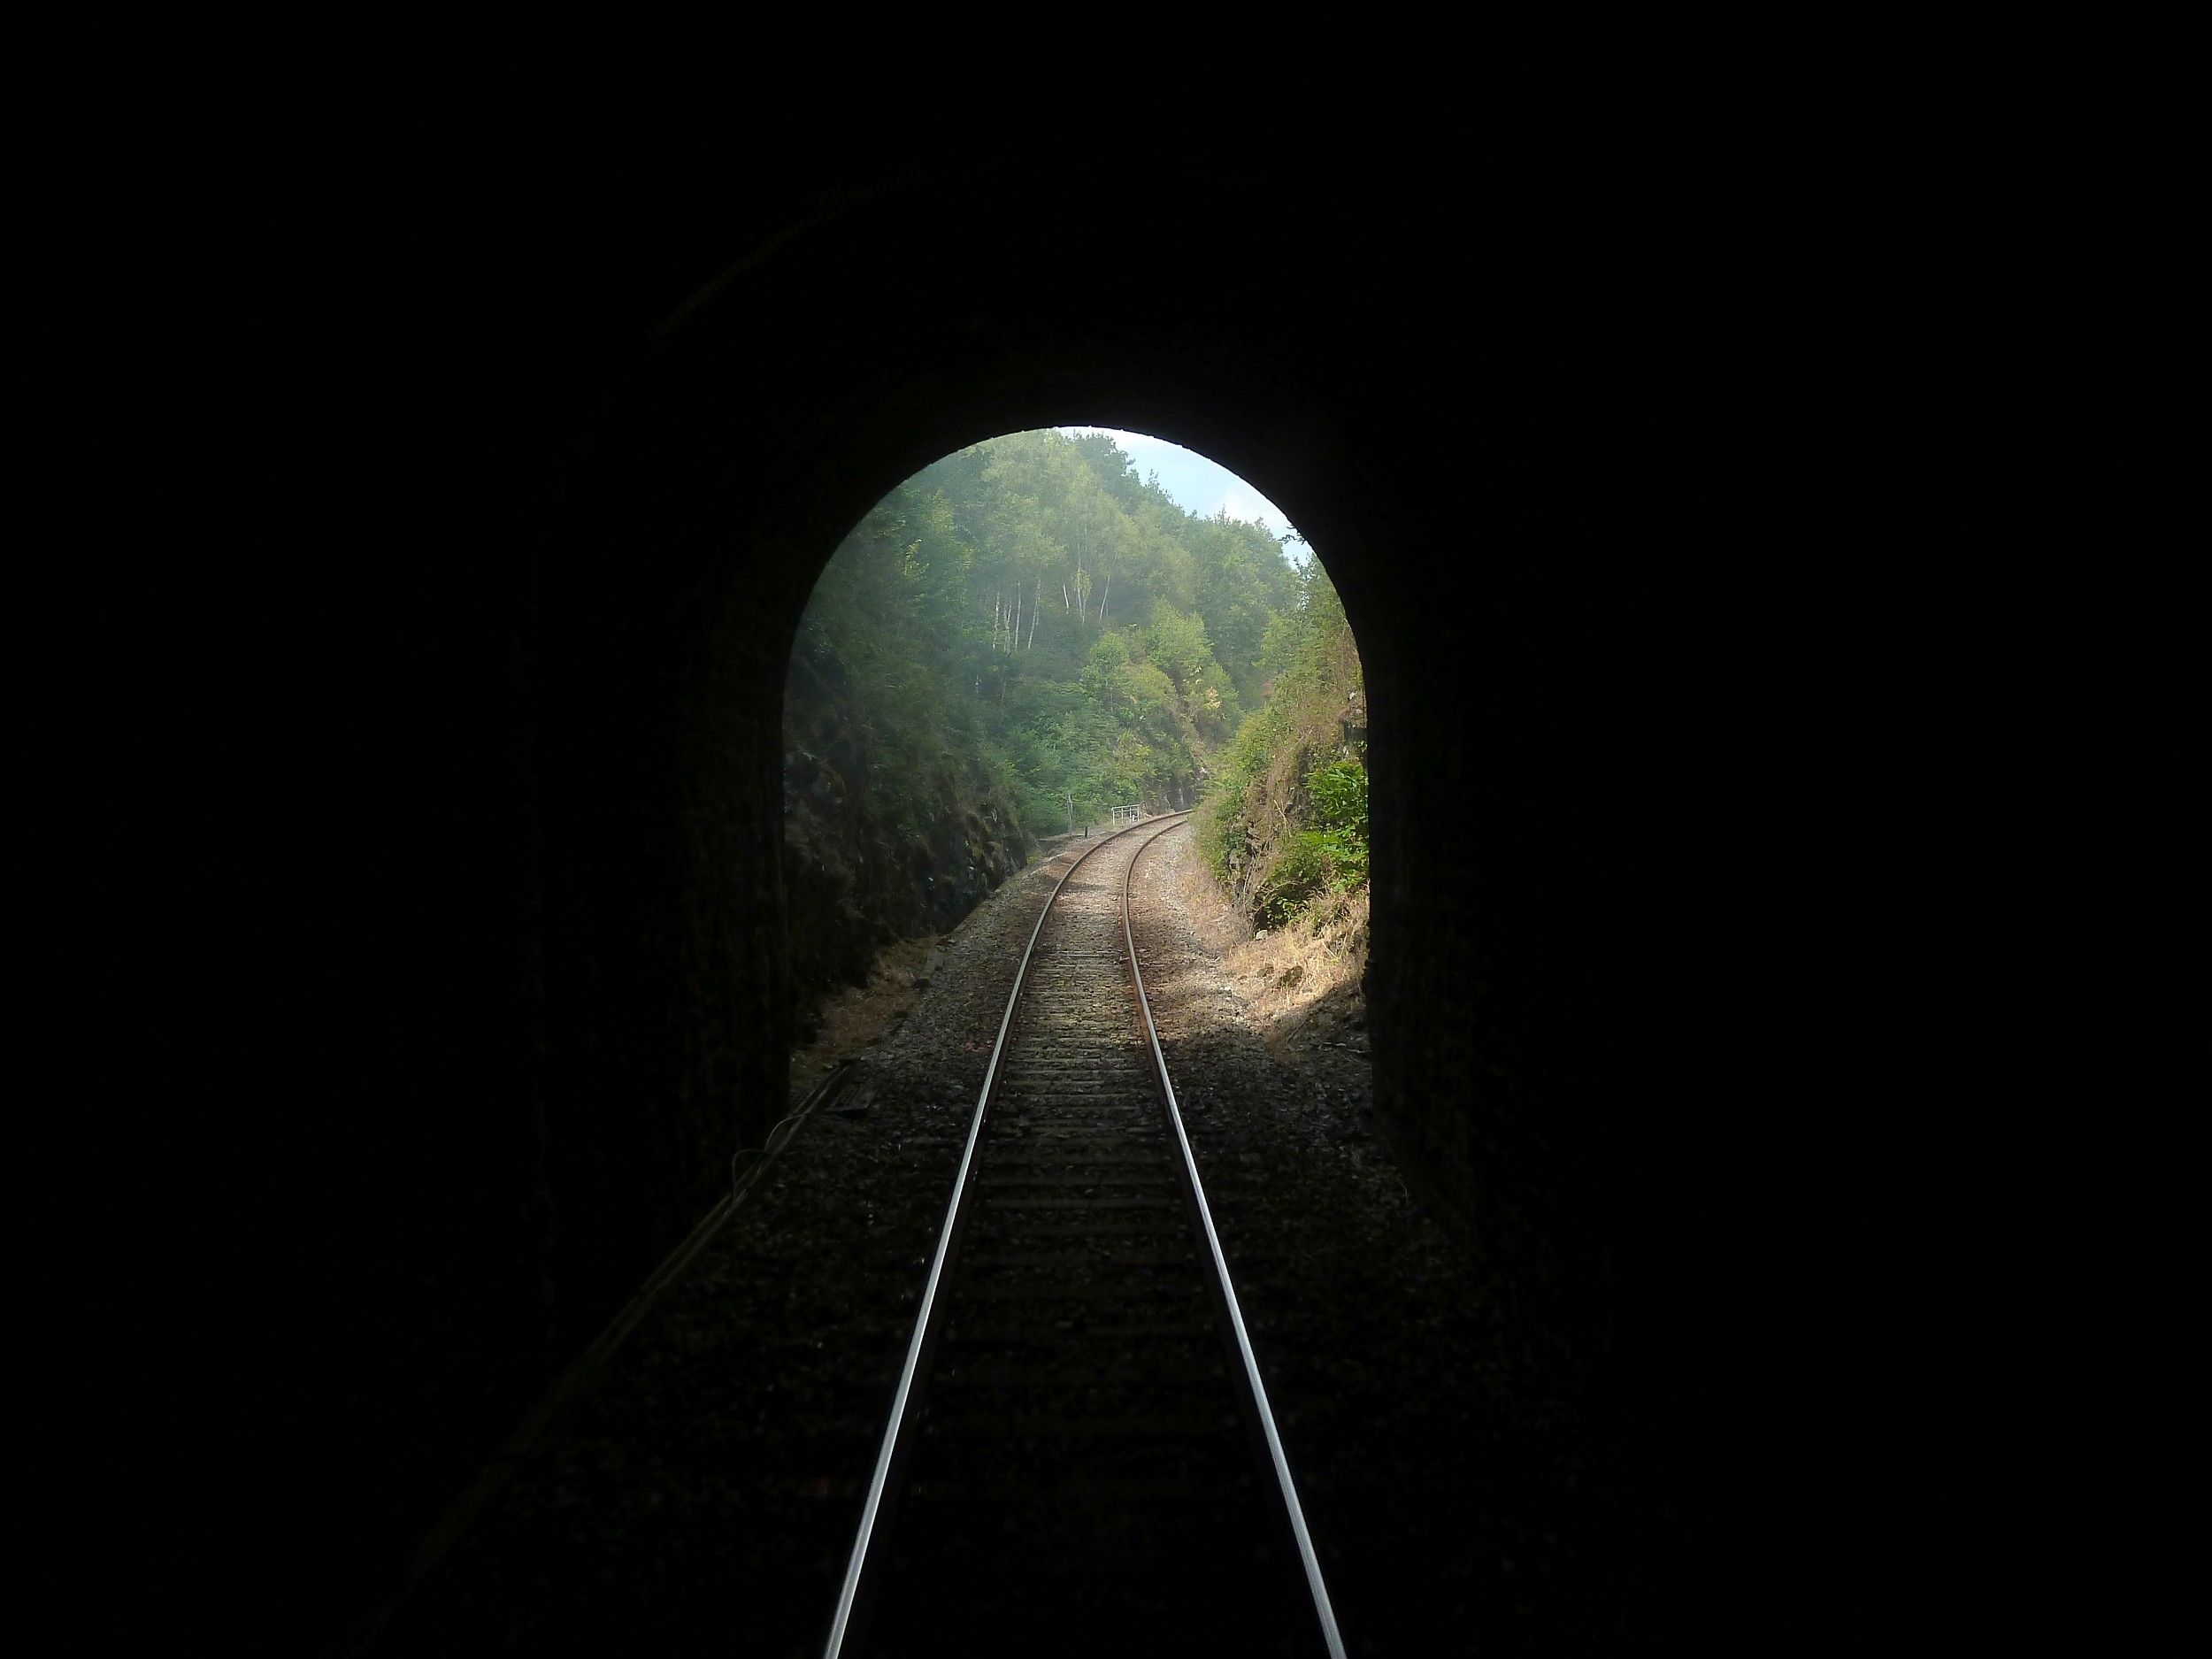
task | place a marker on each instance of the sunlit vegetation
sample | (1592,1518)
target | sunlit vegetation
(1029,621)
(1285,825)
(1025,636)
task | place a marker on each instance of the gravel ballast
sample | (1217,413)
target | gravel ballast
(707,1489)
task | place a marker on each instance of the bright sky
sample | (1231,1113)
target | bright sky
(1198,485)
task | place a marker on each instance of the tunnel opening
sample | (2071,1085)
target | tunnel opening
(1040,634)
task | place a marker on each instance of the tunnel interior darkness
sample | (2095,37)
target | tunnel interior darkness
(663,452)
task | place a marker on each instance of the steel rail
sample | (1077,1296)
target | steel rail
(1307,1557)
(924,1316)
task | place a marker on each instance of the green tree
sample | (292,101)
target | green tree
(1031,603)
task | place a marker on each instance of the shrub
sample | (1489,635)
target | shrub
(1338,789)
(1301,873)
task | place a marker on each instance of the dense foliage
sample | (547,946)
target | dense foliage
(1032,606)
(1285,822)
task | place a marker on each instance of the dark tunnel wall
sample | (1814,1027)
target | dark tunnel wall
(559,1004)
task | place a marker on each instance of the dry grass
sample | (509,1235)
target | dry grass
(1287,976)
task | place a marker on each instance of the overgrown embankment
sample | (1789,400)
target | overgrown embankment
(1284,829)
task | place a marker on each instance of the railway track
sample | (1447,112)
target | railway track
(1079,1456)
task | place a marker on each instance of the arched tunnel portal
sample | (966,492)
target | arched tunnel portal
(564,1005)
